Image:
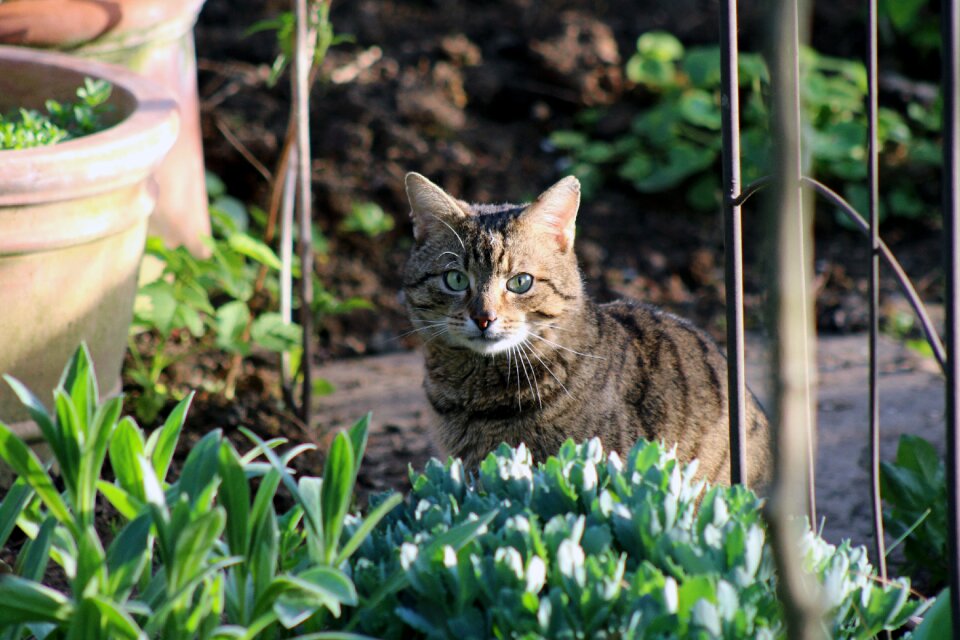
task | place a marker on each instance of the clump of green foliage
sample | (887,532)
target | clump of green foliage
(914,488)
(202,555)
(27,128)
(589,546)
(675,140)
(199,303)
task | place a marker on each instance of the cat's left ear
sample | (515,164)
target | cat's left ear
(555,211)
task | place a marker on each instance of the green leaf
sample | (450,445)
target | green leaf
(369,524)
(25,464)
(27,601)
(32,563)
(254,249)
(194,545)
(231,321)
(201,467)
(701,109)
(660,45)
(702,66)
(13,503)
(336,491)
(566,139)
(235,498)
(118,622)
(156,306)
(125,503)
(126,445)
(127,556)
(271,332)
(937,618)
(163,442)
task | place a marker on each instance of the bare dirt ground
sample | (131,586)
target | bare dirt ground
(911,392)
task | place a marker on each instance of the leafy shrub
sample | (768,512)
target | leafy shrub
(914,487)
(196,298)
(588,546)
(676,140)
(204,555)
(27,128)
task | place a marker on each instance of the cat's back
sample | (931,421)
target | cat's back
(673,376)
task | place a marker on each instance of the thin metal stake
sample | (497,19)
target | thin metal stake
(733,240)
(950,34)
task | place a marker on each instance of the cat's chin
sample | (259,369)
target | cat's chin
(491,346)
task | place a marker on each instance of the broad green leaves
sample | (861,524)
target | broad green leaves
(590,545)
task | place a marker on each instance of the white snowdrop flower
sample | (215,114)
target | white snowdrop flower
(449,557)
(512,559)
(536,574)
(408,555)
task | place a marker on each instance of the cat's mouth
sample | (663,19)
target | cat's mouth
(492,343)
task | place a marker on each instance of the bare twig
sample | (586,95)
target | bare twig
(303,61)
(791,219)
(242,149)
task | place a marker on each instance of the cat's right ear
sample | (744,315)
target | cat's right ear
(430,206)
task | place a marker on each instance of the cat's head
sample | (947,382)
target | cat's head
(489,277)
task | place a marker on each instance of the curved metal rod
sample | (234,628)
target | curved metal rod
(905,284)
(751,189)
(933,339)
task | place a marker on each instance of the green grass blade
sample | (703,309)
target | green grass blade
(335,493)
(25,464)
(127,444)
(194,545)
(119,623)
(11,506)
(79,381)
(234,496)
(38,413)
(128,506)
(127,557)
(33,560)
(28,601)
(358,439)
(369,524)
(201,467)
(285,476)
(93,454)
(163,442)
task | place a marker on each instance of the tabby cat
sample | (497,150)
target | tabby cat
(516,352)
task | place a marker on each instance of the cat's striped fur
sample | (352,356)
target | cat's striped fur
(546,364)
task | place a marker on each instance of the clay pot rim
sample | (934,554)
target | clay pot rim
(118,156)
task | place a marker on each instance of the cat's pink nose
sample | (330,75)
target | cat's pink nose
(484,320)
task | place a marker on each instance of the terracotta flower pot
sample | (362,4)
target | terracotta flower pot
(73,220)
(155,39)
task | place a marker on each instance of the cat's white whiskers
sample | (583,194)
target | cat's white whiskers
(560,346)
(463,246)
(537,384)
(434,336)
(517,365)
(536,354)
(431,325)
(523,364)
(509,362)
(451,253)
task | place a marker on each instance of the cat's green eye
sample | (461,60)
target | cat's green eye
(520,283)
(456,280)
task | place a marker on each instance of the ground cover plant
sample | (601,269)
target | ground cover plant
(28,128)
(675,139)
(592,546)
